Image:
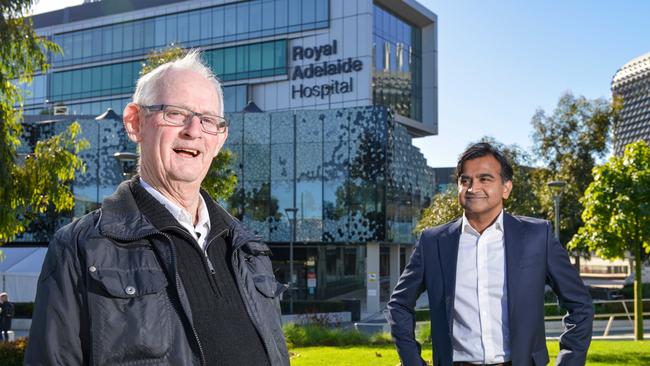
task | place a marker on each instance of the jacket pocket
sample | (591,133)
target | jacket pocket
(268,285)
(130,315)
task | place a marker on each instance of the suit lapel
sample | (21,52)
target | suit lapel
(448,253)
(514,239)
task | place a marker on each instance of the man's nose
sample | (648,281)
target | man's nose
(193,127)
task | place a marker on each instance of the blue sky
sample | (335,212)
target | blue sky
(501,60)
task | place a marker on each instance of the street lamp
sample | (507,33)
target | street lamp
(109,114)
(292,223)
(556,186)
(127,161)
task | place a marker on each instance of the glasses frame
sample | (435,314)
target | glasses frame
(161,108)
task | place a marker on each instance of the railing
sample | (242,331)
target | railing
(609,316)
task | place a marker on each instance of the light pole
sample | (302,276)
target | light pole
(292,239)
(109,114)
(556,186)
(128,162)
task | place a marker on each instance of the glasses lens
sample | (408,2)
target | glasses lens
(176,115)
(214,124)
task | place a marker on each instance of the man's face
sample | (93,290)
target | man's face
(481,190)
(180,154)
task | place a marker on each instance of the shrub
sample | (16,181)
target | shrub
(317,335)
(424,334)
(12,353)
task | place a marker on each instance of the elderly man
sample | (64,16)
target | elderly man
(485,277)
(161,275)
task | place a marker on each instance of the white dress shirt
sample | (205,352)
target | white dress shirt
(198,232)
(480,317)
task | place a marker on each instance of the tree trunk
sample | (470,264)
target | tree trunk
(576,263)
(638,294)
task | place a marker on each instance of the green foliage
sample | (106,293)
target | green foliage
(424,334)
(220,182)
(317,335)
(40,180)
(443,208)
(617,205)
(568,142)
(617,214)
(157,58)
(12,353)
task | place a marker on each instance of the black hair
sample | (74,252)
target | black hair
(483,149)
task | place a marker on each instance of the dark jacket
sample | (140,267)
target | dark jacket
(109,293)
(534,258)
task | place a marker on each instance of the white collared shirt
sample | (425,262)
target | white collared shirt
(198,232)
(480,326)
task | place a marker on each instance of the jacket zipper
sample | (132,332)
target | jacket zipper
(205,251)
(178,290)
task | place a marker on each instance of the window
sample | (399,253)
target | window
(255,19)
(160,31)
(230,20)
(230,62)
(172,33)
(242,20)
(295,12)
(195,27)
(128,38)
(117,39)
(218,24)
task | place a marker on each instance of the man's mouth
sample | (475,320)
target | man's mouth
(186,152)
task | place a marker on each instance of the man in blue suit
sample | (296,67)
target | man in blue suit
(485,275)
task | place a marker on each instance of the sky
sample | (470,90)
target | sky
(501,60)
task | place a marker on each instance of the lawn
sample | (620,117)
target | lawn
(601,353)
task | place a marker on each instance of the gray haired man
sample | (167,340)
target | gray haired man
(161,274)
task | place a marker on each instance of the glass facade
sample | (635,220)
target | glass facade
(216,25)
(352,173)
(397,61)
(230,63)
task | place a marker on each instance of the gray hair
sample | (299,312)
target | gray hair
(146,90)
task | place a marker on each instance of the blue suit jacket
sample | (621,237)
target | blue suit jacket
(534,257)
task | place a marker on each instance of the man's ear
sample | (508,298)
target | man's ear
(220,144)
(133,122)
(507,188)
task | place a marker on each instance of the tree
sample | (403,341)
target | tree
(33,183)
(444,207)
(617,215)
(569,142)
(522,201)
(220,182)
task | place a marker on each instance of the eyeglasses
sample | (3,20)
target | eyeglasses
(179,116)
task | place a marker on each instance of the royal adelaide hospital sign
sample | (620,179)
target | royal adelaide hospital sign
(319,69)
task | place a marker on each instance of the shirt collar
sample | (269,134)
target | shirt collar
(179,213)
(497,225)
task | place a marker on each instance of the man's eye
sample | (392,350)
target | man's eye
(210,120)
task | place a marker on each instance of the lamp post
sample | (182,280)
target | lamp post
(292,239)
(127,161)
(556,186)
(109,114)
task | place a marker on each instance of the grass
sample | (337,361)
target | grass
(601,353)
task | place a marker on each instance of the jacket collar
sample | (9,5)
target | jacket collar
(121,219)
